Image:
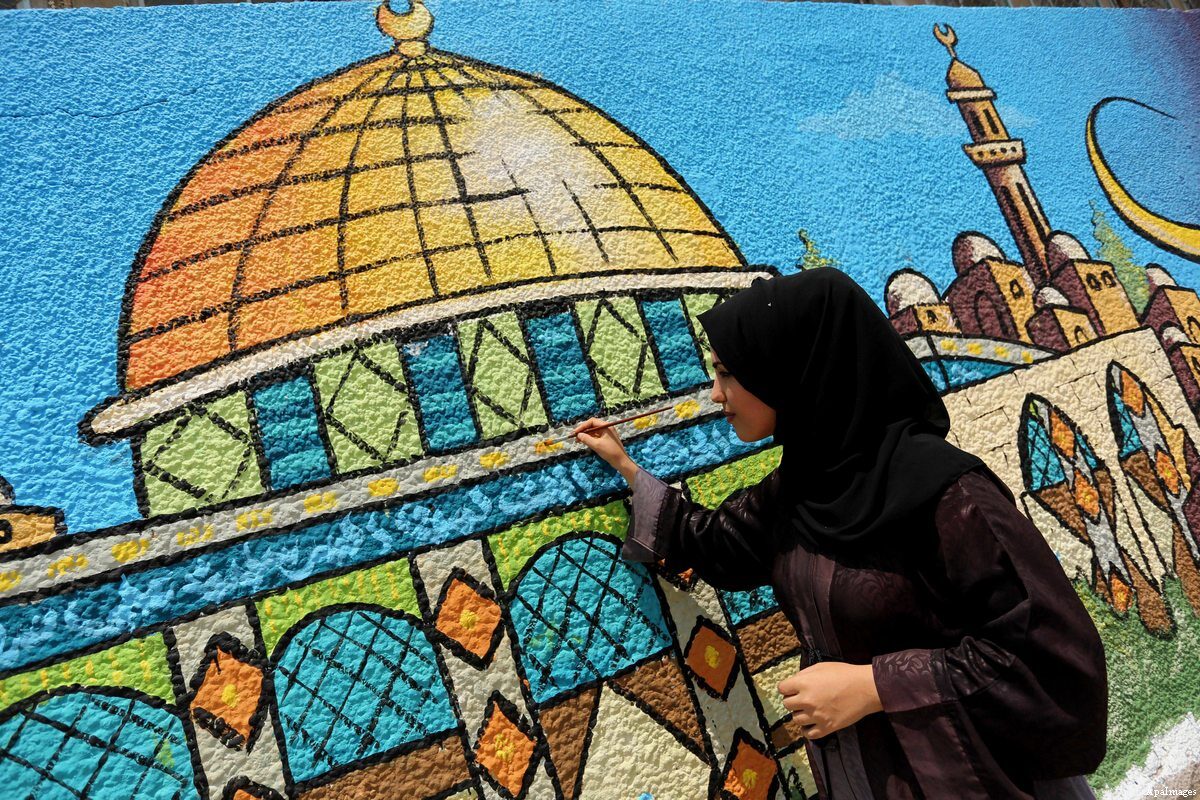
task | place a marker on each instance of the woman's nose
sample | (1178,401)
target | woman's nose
(717,395)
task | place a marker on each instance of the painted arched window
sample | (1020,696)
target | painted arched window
(1062,473)
(500,376)
(364,401)
(583,614)
(1158,454)
(992,318)
(1161,459)
(1052,447)
(355,683)
(94,745)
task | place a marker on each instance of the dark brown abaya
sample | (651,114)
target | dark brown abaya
(990,671)
(886,545)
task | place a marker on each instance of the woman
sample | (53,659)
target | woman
(946,653)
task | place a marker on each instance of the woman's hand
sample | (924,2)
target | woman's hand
(607,444)
(829,696)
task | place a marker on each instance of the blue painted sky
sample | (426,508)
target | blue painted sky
(779,115)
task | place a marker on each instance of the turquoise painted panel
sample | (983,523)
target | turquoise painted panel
(1127,435)
(436,374)
(565,376)
(89,744)
(291,441)
(1045,469)
(354,684)
(741,606)
(675,344)
(964,371)
(933,368)
(582,614)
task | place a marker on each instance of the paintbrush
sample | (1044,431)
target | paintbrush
(602,426)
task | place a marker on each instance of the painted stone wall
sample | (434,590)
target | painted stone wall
(298,296)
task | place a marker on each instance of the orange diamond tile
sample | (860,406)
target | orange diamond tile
(750,774)
(227,693)
(242,788)
(505,749)
(470,618)
(712,658)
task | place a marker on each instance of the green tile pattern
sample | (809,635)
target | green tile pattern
(139,664)
(364,402)
(388,585)
(500,376)
(615,341)
(200,457)
(514,547)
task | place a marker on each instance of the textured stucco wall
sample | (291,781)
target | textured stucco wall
(295,298)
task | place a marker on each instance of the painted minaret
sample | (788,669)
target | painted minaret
(1000,158)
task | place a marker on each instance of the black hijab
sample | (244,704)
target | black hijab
(862,427)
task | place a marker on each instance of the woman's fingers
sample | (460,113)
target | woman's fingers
(587,423)
(793,702)
(808,726)
(803,718)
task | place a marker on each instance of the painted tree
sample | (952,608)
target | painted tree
(1114,250)
(810,257)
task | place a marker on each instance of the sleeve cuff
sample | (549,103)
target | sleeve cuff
(642,543)
(907,680)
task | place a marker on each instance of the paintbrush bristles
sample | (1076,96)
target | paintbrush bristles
(605,425)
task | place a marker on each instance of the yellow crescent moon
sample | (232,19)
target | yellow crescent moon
(1178,237)
(408,30)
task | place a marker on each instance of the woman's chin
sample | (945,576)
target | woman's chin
(750,436)
(745,436)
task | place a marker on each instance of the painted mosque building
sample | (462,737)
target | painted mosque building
(362,570)
(1084,407)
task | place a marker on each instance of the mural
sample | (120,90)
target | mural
(342,559)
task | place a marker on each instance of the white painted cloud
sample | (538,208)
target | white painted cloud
(894,108)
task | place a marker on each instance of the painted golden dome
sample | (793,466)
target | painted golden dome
(396,182)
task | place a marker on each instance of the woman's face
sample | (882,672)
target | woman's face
(752,419)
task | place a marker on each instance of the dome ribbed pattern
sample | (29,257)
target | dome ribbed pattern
(391,183)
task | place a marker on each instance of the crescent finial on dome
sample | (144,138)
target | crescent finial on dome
(946,35)
(409,30)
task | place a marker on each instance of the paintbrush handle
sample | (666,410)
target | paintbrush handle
(605,425)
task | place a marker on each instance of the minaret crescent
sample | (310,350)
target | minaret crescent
(1178,237)
(946,35)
